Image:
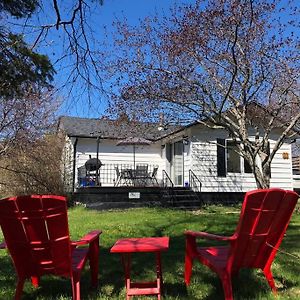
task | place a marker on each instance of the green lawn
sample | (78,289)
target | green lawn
(163,222)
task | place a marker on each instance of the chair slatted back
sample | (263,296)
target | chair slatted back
(154,172)
(264,218)
(36,231)
(141,170)
(117,172)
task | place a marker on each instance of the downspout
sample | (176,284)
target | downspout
(183,168)
(74,163)
(185,143)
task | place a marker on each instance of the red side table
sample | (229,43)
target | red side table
(131,245)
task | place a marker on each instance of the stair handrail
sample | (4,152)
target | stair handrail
(194,182)
(166,178)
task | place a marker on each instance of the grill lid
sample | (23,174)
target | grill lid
(93,164)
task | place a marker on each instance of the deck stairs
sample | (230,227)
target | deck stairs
(181,198)
(186,197)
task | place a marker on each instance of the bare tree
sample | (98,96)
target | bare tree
(24,119)
(227,63)
(74,23)
(33,168)
(29,162)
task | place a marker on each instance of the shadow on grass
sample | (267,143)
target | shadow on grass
(205,284)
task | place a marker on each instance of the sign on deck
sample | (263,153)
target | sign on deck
(134,195)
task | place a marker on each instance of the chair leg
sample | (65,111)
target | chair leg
(188,269)
(75,287)
(19,288)
(270,279)
(190,246)
(227,286)
(35,280)
(94,262)
(118,181)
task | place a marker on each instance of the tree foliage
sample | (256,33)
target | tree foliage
(27,99)
(32,31)
(27,102)
(211,61)
(20,67)
(19,8)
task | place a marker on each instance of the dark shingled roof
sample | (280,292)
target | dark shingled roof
(112,129)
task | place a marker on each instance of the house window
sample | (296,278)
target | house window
(221,159)
(247,167)
(233,157)
(229,159)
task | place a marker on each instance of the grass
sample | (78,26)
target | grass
(163,222)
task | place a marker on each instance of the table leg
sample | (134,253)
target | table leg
(142,288)
(126,261)
(159,275)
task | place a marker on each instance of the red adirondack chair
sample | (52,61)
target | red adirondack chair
(36,234)
(264,218)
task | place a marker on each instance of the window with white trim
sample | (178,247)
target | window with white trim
(233,158)
(229,159)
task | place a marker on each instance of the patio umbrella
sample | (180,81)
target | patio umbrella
(134,141)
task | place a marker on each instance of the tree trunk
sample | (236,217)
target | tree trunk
(262,177)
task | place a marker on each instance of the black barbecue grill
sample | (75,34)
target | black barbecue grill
(93,164)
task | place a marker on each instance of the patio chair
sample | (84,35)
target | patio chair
(118,180)
(124,176)
(36,234)
(141,171)
(153,178)
(264,218)
(141,175)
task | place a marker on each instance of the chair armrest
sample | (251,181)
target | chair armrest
(3,245)
(209,236)
(88,238)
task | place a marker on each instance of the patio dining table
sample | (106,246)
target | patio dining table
(136,177)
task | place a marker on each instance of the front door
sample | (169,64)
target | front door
(178,164)
(174,156)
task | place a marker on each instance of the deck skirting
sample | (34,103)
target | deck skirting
(102,198)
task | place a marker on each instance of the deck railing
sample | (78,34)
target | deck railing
(166,180)
(108,174)
(296,181)
(194,182)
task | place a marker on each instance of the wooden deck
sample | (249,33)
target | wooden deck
(118,197)
(122,197)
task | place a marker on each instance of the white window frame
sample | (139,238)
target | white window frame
(242,160)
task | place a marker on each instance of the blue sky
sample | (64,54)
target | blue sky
(102,17)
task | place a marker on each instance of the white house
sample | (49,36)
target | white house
(177,152)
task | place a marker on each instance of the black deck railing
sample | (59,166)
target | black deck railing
(166,180)
(194,182)
(109,174)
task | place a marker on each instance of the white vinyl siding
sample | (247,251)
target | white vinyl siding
(281,170)
(204,164)
(199,155)
(111,154)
